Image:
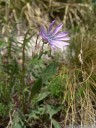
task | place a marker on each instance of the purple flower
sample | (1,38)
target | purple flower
(55,38)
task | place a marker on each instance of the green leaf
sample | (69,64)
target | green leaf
(51,110)
(55,124)
(40,110)
(2,44)
(17,125)
(34,115)
(40,97)
(36,87)
(49,71)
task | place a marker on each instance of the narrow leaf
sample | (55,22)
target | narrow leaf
(55,124)
(36,87)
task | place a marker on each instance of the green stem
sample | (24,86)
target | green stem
(23,71)
(41,52)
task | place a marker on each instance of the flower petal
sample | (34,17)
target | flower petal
(51,25)
(58,44)
(62,38)
(62,34)
(42,32)
(56,30)
(61,43)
